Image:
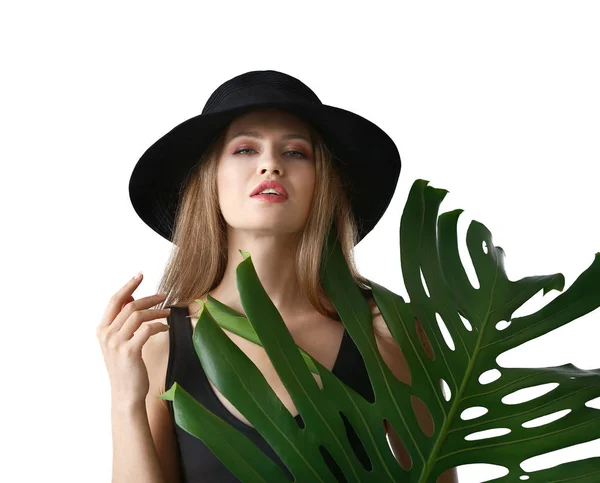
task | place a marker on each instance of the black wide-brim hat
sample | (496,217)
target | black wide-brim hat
(364,155)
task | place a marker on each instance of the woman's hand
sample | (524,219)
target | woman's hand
(122,334)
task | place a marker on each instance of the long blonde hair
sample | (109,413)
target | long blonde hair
(199,254)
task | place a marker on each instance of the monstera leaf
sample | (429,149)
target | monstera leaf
(450,333)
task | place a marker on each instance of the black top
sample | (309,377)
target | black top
(198,463)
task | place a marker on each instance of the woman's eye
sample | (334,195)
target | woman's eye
(243,149)
(297,152)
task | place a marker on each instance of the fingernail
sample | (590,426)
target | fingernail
(138,276)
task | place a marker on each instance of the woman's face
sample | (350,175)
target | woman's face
(266,144)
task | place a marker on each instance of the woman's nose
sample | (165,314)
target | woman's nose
(269,161)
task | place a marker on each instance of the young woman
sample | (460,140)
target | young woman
(266,168)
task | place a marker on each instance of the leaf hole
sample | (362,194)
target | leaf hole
(463,251)
(503,324)
(424,283)
(446,475)
(593,403)
(490,376)
(422,414)
(523,477)
(399,368)
(300,422)
(465,321)
(488,433)
(473,413)
(548,418)
(484,472)
(484,247)
(578,453)
(425,344)
(397,446)
(446,392)
(336,471)
(356,443)
(445,332)
(529,393)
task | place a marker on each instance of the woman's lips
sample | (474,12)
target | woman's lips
(270,197)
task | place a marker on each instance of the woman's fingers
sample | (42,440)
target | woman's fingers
(130,299)
(131,310)
(122,297)
(137,318)
(141,335)
(123,317)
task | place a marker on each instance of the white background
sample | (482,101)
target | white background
(496,102)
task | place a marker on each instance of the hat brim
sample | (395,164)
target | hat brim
(365,155)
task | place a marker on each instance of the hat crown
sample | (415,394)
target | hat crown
(258,86)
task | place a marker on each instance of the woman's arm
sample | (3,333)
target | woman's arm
(134,454)
(144,445)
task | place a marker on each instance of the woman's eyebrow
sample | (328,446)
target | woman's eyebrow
(256,134)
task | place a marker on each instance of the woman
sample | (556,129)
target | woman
(202,186)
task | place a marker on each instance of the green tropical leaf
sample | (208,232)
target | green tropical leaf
(234,449)
(235,322)
(448,333)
